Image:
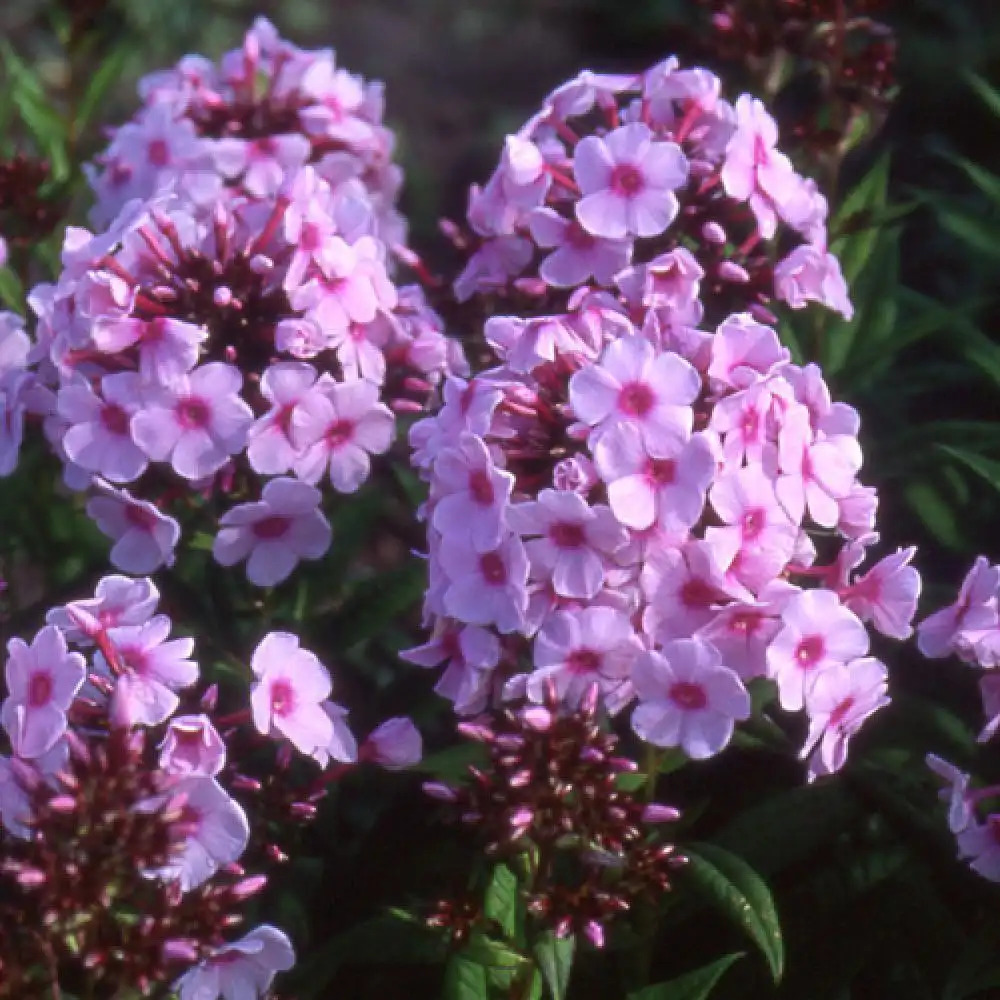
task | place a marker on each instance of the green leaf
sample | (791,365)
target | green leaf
(452,764)
(929,504)
(732,886)
(502,900)
(107,74)
(989,94)
(11,290)
(694,985)
(555,959)
(976,231)
(464,980)
(987,468)
(866,198)
(987,182)
(493,955)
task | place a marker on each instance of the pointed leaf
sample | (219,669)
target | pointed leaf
(731,885)
(465,980)
(502,900)
(696,985)
(555,959)
(987,468)
(989,94)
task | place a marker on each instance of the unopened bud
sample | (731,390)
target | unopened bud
(655,812)
(730,271)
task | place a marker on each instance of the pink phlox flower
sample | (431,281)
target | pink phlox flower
(979,844)
(286,699)
(196,423)
(275,533)
(956,794)
(493,265)
(839,700)
(975,610)
(754,170)
(887,594)
(633,383)
(167,347)
(395,744)
(270,449)
(686,586)
(240,970)
(989,692)
(664,481)
(342,747)
(307,222)
(575,649)
(687,698)
(259,165)
(745,351)
(470,494)
(216,826)
(118,600)
(742,630)
(522,177)
(671,280)
(468,405)
(747,420)
(144,537)
(578,255)
(469,654)
(570,540)
(857,511)
(191,745)
(357,351)
(812,274)
(148,672)
(486,588)
(578,96)
(98,438)
(745,502)
(42,681)
(524,344)
(352,286)
(815,471)
(337,428)
(817,633)
(627,180)
(15,344)
(576,474)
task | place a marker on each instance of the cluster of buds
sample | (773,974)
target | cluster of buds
(199,348)
(550,792)
(79,882)
(837,60)
(237,129)
(969,628)
(645,492)
(119,831)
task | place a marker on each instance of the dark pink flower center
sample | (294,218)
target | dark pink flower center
(39,689)
(158,153)
(636,399)
(761,154)
(114,418)
(282,698)
(481,488)
(753,523)
(271,527)
(809,651)
(339,433)
(688,696)
(140,517)
(663,471)
(493,570)
(745,623)
(567,535)
(583,661)
(627,180)
(193,412)
(838,714)
(750,423)
(696,593)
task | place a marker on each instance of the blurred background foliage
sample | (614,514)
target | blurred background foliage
(871,901)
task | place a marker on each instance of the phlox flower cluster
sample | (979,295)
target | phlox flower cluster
(199,348)
(969,628)
(239,127)
(637,495)
(618,170)
(107,717)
